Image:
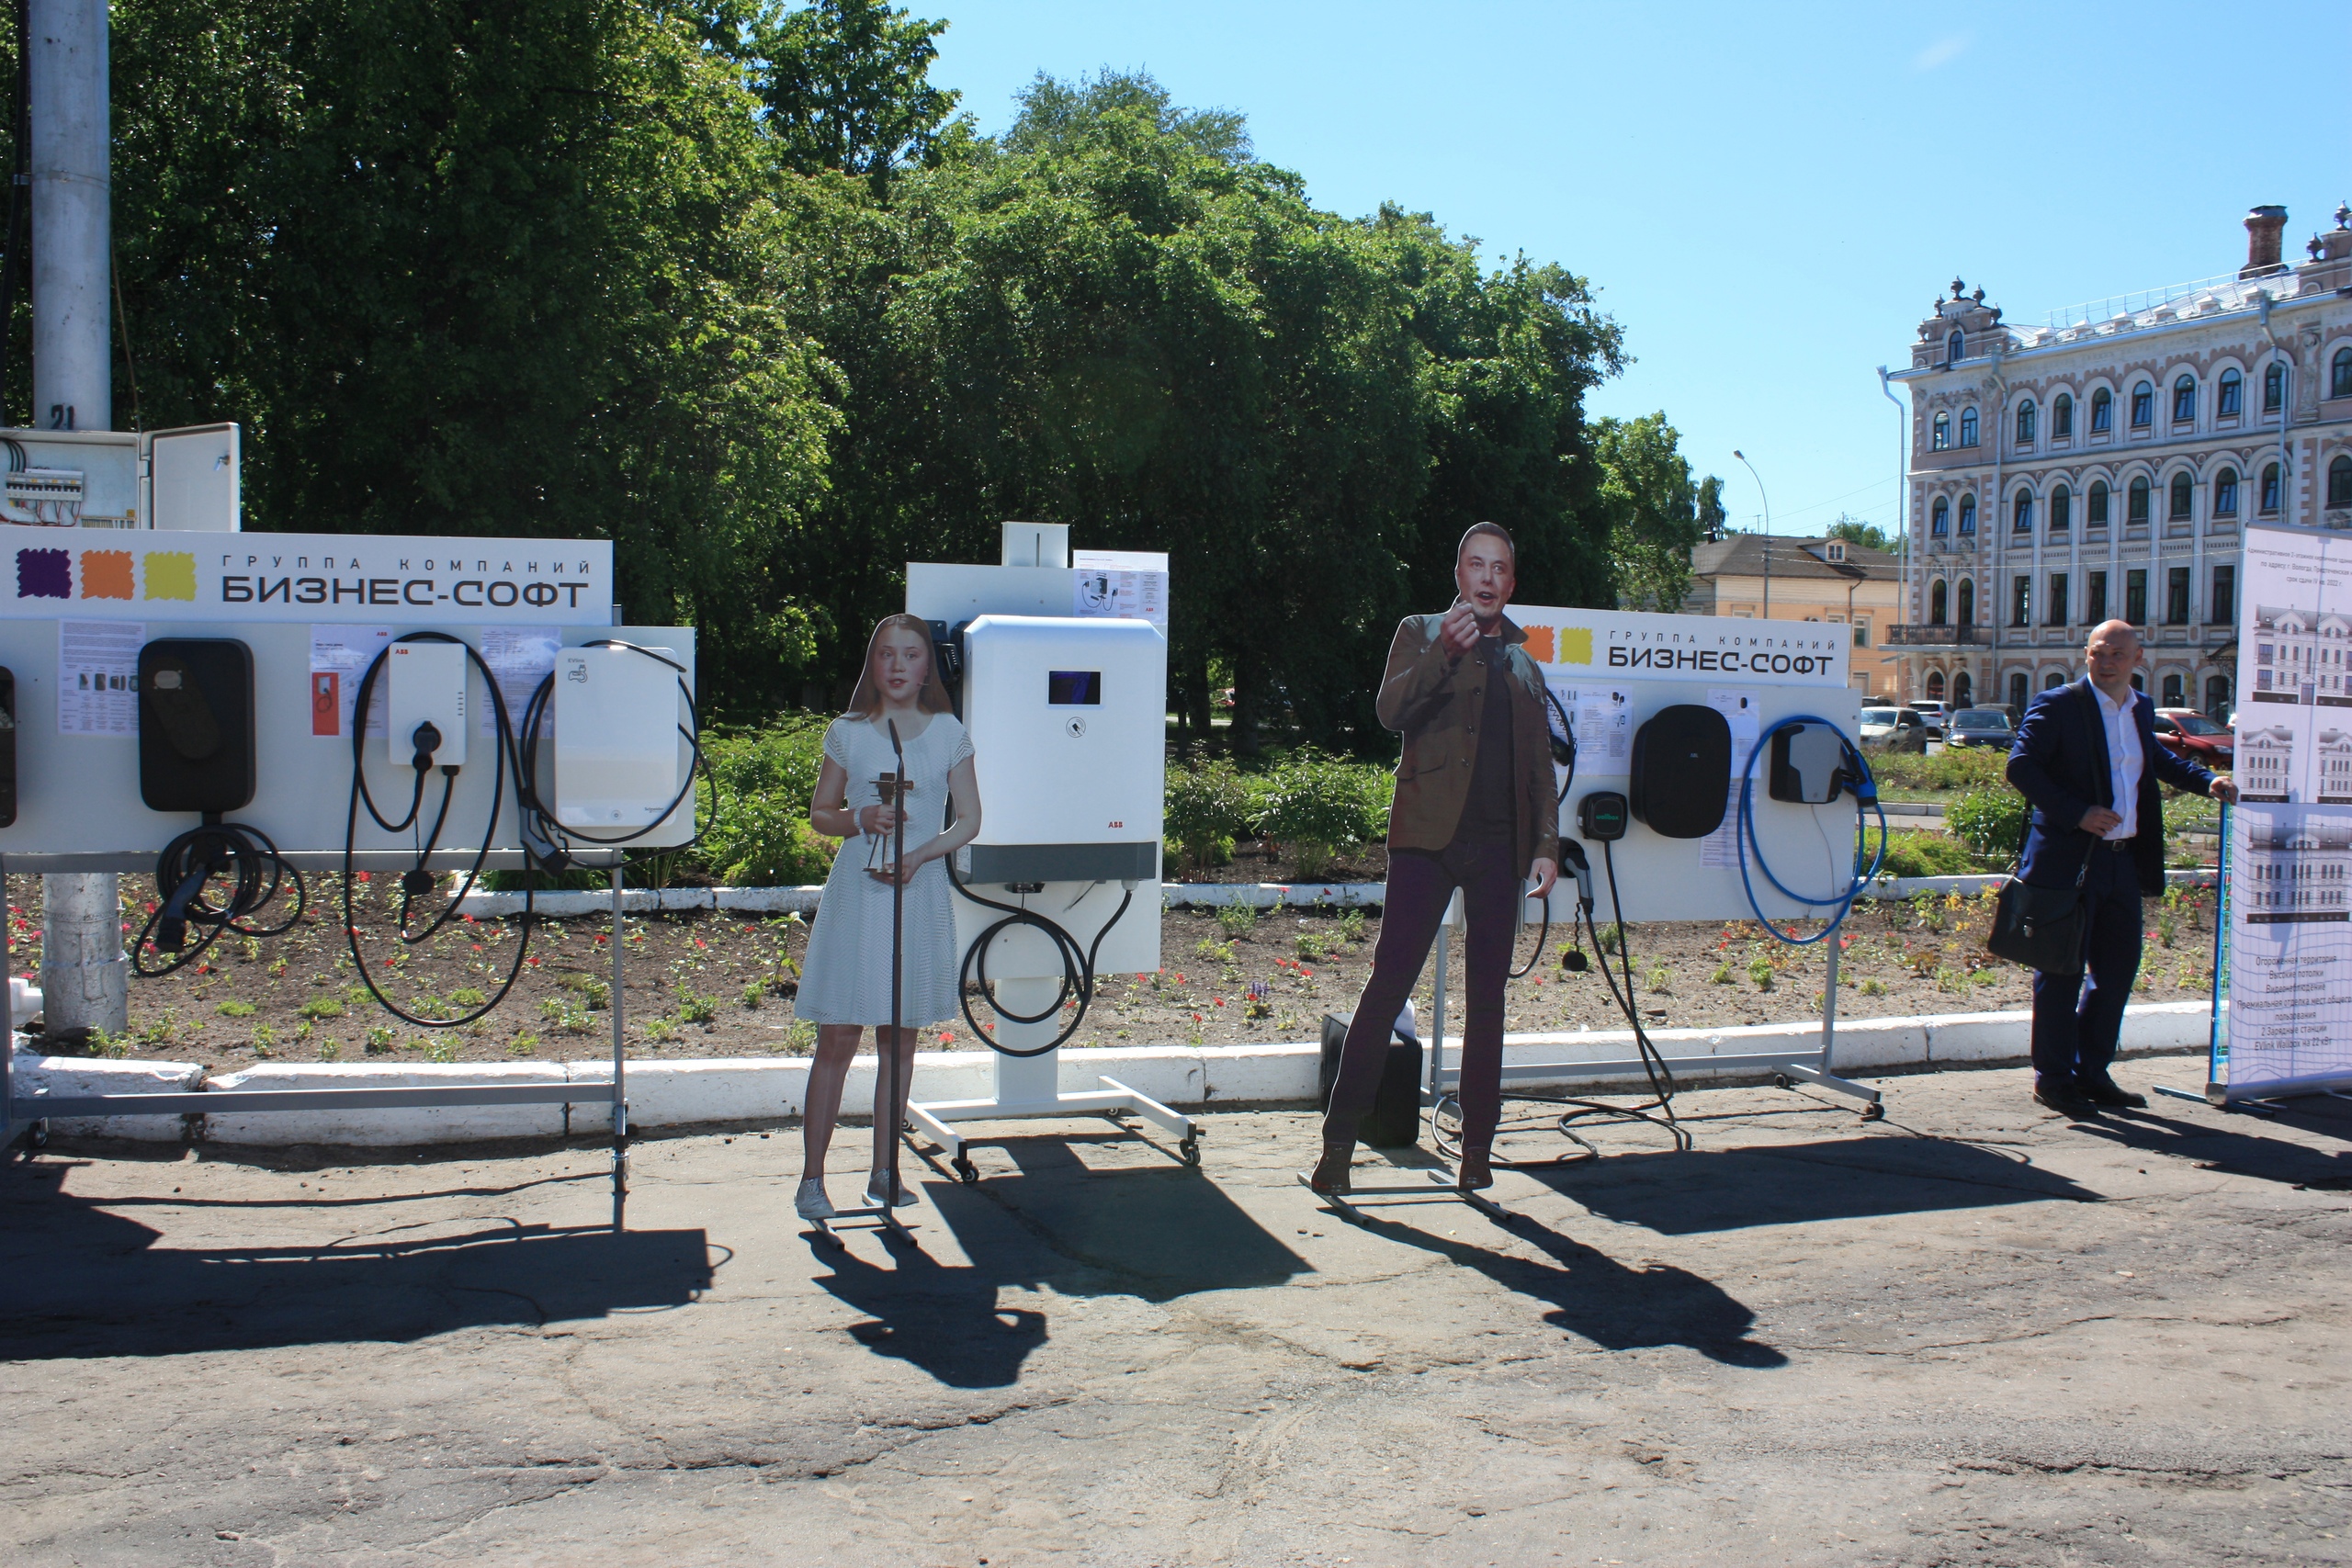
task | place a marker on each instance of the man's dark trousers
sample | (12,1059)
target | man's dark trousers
(2072,1048)
(1419,887)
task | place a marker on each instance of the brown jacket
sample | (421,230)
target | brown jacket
(1433,701)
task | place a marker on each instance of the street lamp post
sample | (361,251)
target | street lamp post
(1767,529)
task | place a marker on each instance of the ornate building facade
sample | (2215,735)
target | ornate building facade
(2103,465)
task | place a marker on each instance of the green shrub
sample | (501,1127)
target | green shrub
(1969,768)
(1927,855)
(1317,805)
(1990,821)
(1236,919)
(1207,808)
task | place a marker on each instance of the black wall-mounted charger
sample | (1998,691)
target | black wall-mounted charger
(1601,816)
(7,748)
(196,725)
(1683,771)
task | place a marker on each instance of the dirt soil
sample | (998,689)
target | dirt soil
(717,984)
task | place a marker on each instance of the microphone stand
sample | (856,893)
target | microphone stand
(898,962)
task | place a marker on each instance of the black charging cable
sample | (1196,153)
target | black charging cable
(254,870)
(545,834)
(1077,977)
(1564,751)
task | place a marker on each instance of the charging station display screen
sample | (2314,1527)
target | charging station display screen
(1074,688)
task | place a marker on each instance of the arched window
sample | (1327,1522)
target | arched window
(2144,406)
(2025,422)
(2139,681)
(2339,482)
(2180,493)
(2339,375)
(2226,493)
(1935,685)
(1940,518)
(2175,692)
(2270,486)
(2135,504)
(2095,508)
(2019,689)
(2053,681)
(2232,393)
(1964,690)
(1942,438)
(2062,417)
(2217,698)
(2062,509)
(1967,616)
(2102,409)
(2021,515)
(2274,388)
(2184,399)
(1968,514)
(1953,346)
(1968,427)
(1936,603)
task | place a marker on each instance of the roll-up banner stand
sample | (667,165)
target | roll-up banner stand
(2286,1025)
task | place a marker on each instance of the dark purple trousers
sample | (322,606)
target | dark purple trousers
(1419,887)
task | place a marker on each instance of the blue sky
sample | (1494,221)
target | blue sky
(1766,196)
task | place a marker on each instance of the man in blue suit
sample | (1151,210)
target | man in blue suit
(2087,759)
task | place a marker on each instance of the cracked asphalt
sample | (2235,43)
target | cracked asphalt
(1967,1333)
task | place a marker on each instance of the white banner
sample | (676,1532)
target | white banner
(1616,646)
(88,574)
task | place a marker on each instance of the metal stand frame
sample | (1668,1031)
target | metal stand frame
(1344,1203)
(42,1109)
(1031,1085)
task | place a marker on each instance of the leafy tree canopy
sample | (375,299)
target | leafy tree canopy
(1870,535)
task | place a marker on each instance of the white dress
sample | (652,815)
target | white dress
(845,977)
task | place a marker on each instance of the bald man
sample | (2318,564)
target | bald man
(2087,759)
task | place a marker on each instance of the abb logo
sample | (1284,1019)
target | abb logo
(1118,824)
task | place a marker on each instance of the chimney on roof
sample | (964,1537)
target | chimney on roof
(2263,226)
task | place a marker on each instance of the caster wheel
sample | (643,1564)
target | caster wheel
(1873,1112)
(965,1171)
(1190,1150)
(37,1136)
(1783,1080)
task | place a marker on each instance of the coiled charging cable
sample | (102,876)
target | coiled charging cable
(254,870)
(1077,977)
(1564,751)
(1856,777)
(541,827)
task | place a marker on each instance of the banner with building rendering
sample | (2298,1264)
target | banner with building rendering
(2289,864)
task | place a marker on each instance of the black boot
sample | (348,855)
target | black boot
(1330,1177)
(1476,1171)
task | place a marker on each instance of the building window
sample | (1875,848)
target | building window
(1968,427)
(2175,694)
(2095,599)
(2021,516)
(2144,406)
(2062,509)
(2339,375)
(2094,509)
(1861,632)
(2139,681)
(2062,417)
(1953,346)
(1968,514)
(2018,692)
(2233,390)
(1963,690)
(2226,493)
(2217,698)
(2135,596)
(1940,518)
(2224,603)
(2339,482)
(2274,388)
(1935,685)
(1936,603)
(2021,602)
(2177,598)
(2184,399)
(2057,615)
(2181,503)
(2053,681)
(2270,485)
(2136,508)
(1967,616)
(2025,422)
(1942,440)
(2102,410)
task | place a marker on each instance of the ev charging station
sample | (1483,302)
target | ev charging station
(1065,698)
(229,702)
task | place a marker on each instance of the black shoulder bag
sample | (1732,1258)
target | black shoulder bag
(2040,928)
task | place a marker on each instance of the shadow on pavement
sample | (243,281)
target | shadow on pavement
(84,1282)
(944,1319)
(1843,1179)
(2226,1149)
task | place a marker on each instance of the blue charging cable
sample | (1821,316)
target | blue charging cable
(1866,799)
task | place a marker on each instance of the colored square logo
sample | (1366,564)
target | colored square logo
(1539,643)
(44,574)
(171,574)
(1575,646)
(105,574)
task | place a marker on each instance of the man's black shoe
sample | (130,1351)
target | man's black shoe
(2065,1102)
(2107,1091)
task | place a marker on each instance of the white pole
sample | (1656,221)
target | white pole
(85,976)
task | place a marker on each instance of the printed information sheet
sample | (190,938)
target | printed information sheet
(1125,585)
(339,656)
(98,677)
(520,656)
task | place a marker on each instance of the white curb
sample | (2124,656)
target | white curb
(439,1125)
(36,1076)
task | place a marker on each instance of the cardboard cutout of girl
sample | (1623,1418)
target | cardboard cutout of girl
(845,975)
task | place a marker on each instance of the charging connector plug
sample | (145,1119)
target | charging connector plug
(426,740)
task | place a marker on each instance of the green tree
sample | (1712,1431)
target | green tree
(1870,535)
(847,86)
(1654,511)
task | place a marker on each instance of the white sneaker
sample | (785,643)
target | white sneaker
(880,1180)
(811,1202)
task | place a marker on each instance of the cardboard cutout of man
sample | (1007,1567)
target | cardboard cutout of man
(1474,810)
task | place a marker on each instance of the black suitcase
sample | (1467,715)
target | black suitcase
(1395,1119)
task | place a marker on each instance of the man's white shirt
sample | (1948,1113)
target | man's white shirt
(2124,761)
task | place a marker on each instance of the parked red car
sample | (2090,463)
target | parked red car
(2190,735)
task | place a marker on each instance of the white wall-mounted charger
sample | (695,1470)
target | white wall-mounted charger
(616,742)
(426,685)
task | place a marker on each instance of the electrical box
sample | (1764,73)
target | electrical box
(196,725)
(617,738)
(7,748)
(195,478)
(424,702)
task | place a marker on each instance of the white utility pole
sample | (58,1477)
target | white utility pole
(85,976)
